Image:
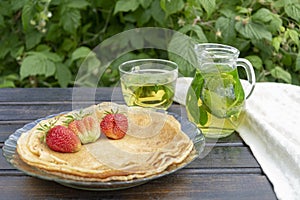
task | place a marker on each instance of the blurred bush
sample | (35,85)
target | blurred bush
(44,42)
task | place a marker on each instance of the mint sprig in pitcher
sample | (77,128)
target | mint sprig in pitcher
(216,96)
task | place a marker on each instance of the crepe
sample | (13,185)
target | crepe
(154,142)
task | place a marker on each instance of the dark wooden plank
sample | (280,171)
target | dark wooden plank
(59,94)
(7,129)
(30,112)
(226,157)
(34,94)
(177,186)
(4,165)
(34,111)
(232,140)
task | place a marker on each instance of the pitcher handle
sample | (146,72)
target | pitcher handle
(250,75)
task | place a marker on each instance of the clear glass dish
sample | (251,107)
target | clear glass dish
(9,152)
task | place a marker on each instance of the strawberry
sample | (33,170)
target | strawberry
(87,129)
(114,125)
(61,139)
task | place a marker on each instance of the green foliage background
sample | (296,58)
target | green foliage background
(43,42)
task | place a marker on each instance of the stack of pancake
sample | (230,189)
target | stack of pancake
(153,144)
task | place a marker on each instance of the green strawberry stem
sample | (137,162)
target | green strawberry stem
(44,128)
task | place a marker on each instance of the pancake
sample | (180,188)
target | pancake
(154,143)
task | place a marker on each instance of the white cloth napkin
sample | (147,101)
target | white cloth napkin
(271,128)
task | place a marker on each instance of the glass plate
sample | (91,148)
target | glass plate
(9,152)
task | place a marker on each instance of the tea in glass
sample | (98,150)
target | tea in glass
(148,82)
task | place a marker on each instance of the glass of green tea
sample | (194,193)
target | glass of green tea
(148,83)
(216,97)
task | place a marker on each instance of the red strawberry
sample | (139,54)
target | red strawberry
(87,129)
(114,125)
(61,139)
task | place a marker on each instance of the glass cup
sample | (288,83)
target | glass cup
(216,97)
(148,82)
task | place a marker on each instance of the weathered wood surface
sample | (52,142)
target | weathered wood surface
(228,171)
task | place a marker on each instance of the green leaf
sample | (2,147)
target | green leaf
(43,47)
(103,4)
(54,33)
(297,65)
(192,106)
(126,5)
(27,13)
(8,42)
(33,38)
(189,10)
(17,51)
(92,63)
(145,3)
(181,51)
(293,10)
(293,35)
(171,6)
(5,8)
(181,48)
(269,19)
(276,41)
(279,4)
(52,56)
(280,73)
(227,12)
(36,63)
(263,15)
(144,17)
(240,43)
(242,10)
(225,26)
(209,6)
(68,45)
(136,41)
(265,48)
(17,4)
(8,81)
(157,13)
(81,52)
(7,84)
(125,57)
(201,37)
(275,24)
(63,74)
(70,20)
(196,113)
(253,30)
(81,4)
(130,17)
(255,61)
(4,51)
(2,23)
(286,59)
(89,63)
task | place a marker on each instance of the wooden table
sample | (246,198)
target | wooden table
(228,171)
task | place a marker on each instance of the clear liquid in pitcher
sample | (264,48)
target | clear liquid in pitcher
(215,101)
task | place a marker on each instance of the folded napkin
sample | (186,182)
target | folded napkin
(271,128)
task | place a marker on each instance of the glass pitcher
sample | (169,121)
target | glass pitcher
(216,97)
